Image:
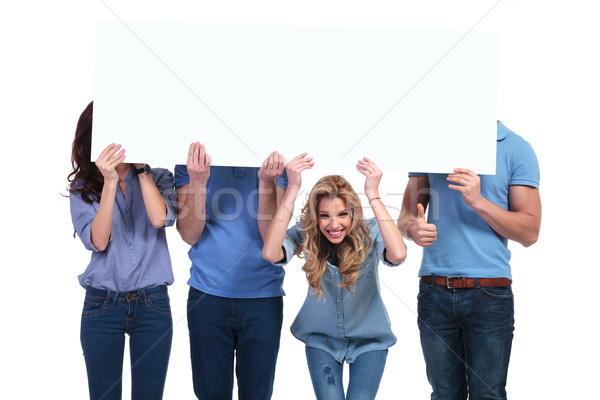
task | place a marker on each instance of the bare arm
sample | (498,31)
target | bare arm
(268,191)
(521,224)
(412,222)
(102,224)
(273,240)
(153,200)
(395,249)
(191,198)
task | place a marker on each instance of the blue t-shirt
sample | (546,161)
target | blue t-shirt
(466,245)
(137,255)
(344,324)
(227,259)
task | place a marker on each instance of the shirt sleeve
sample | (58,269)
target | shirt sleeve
(82,215)
(525,169)
(181,175)
(164,182)
(378,244)
(293,240)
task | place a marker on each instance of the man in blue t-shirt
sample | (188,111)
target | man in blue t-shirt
(465,301)
(235,306)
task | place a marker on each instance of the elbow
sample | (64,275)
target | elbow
(266,255)
(396,257)
(188,239)
(399,258)
(532,236)
(530,239)
(187,236)
(158,222)
(269,256)
(100,246)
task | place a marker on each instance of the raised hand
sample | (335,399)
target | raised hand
(271,168)
(295,167)
(108,160)
(372,175)
(198,165)
(468,183)
(420,231)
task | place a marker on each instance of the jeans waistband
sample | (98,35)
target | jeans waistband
(458,282)
(111,297)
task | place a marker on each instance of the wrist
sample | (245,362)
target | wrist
(291,193)
(142,169)
(372,196)
(197,185)
(408,233)
(111,184)
(267,180)
(478,203)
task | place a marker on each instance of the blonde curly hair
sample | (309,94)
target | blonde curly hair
(350,253)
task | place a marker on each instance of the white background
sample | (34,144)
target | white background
(548,93)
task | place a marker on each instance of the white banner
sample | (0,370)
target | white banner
(410,100)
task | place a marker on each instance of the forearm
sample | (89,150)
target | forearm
(275,234)
(267,205)
(415,193)
(191,217)
(153,201)
(405,220)
(520,226)
(395,249)
(102,224)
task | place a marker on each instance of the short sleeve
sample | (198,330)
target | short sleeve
(181,175)
(525,169)
(82,215)
(164,182)
(378,244)
(293,240)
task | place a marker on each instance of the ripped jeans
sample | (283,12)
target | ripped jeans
(326,375)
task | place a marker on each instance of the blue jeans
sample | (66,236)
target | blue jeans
(221,328)
(145,315)
(466,336)
(326,374)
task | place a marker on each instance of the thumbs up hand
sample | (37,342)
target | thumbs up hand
(420,231)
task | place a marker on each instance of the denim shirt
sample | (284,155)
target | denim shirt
(344,324)
(137,256)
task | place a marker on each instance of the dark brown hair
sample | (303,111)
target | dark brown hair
(85,177)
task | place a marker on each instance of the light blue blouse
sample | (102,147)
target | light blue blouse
(344,324)
(137,256)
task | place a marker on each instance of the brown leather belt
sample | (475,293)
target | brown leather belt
(456,282)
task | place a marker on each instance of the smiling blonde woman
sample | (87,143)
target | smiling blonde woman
(343,317)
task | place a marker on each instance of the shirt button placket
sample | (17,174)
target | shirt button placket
(338,307)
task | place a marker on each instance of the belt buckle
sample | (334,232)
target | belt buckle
(454,277)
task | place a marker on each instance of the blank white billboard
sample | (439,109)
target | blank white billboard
(410,100)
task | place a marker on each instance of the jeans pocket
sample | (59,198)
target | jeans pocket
(160,302)
(194,296)
(92,307)
(503,292)
(423,290)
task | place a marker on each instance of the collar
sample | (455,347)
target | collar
(130,174)
(502,131)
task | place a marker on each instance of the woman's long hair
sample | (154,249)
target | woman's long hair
(350,253)
(85,177)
